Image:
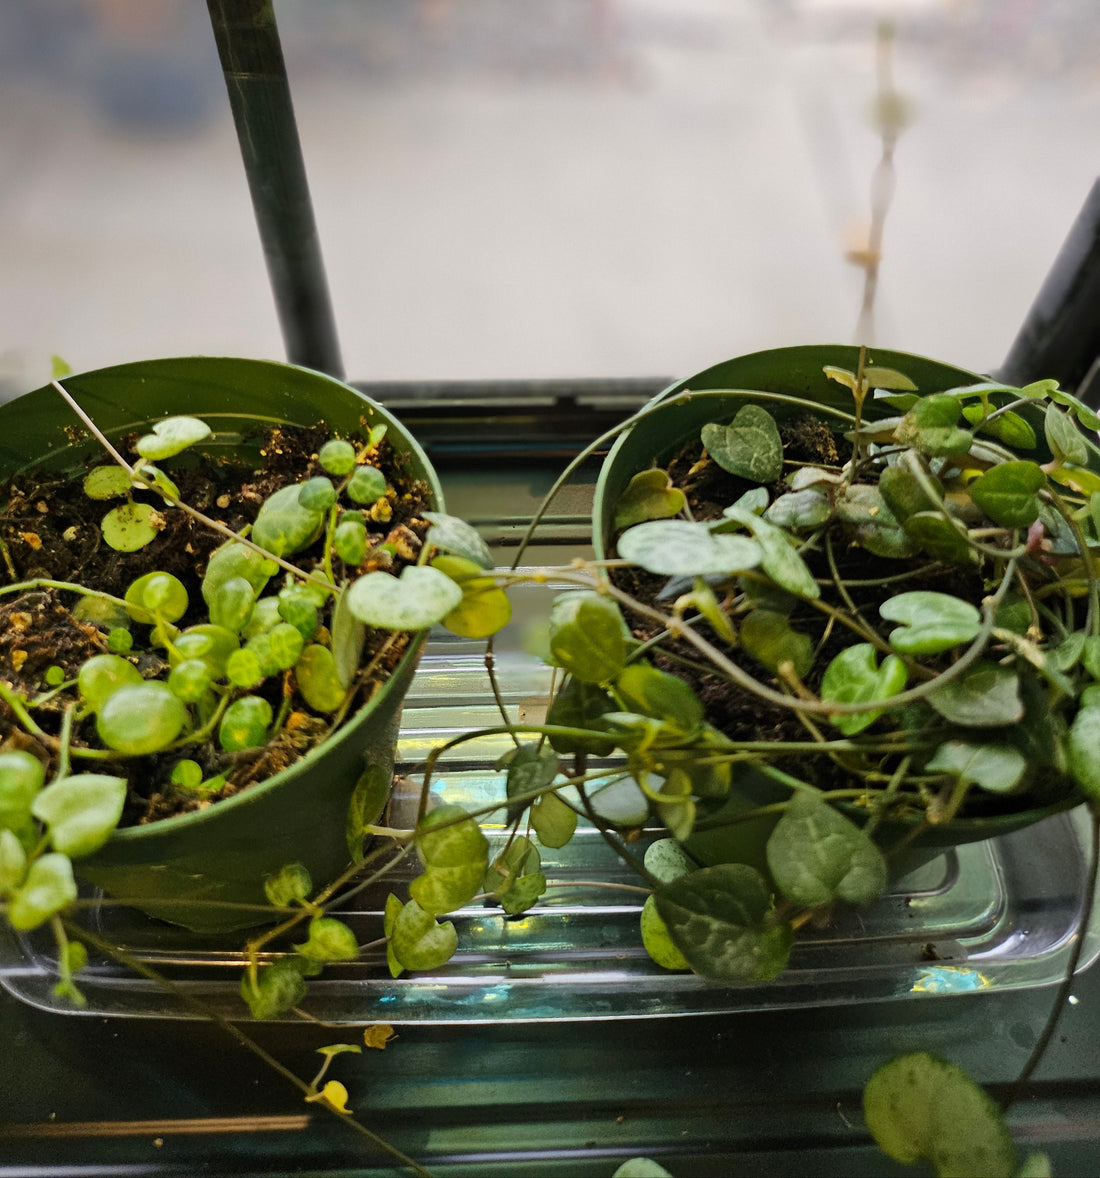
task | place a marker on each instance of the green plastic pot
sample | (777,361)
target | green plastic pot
(298,815)
(674,417)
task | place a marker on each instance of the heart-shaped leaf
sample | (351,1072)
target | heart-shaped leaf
(721,920)
(800,509)
(288,886)
(903,493)
(749,447)
(580,705)
(419,598)
(81,811)
(515,877)
(649,495)
(171,436)
(484,608)
(985,695)
(553,822)
(21,777)
(455,855)
(587,635)
(931,426)
(1009,427)
(329,940)
(418,941)
(277,988)
(871,522)
(854,677)
(779,558)
(677,546)
(816,855)
(922,1107)
(644,689)
(998,768)
(938,537)
(451,534)
(1007,493)
(285,526)
(529,769)
(930,622)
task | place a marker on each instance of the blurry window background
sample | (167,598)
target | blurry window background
(542,188)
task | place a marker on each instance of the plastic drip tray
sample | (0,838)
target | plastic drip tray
(988,916)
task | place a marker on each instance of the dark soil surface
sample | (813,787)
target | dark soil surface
(50,531)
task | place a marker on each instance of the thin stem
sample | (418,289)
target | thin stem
(246,1041)
(1044,1040)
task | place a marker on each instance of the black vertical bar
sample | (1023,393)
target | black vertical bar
(259,95)
(1061,335)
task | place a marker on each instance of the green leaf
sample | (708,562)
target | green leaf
(931,426)
(1085,415)
(871,522)
(13,862)
(779,558)
(515,877)
(283,525)
(930,622)
(587,635)
(419,598)
(922,1107)
(48,888)
(81,811)
(289,886)
(233,559)
(1082,760)
(703,598)
(455,854)
(130,527)
(997,768)
(937,537)
(419,941)
(59,368)
(147,476)
(877,377)
(854,677)
(650,692)
(749,447)
(580,705)
(245,724)
(656,940)
(348,637)
(816,855)
(1066,442)
(649,495)
(666,860)
(319,680)
(337,456)
(621,802)
(21,777)
(769,638)
(529,769)
(329,940)
(366,485)
(903,494)
(800,509)
(678,812)
(677,547)
(279,987)
(721,919)
(368,802)
(171,436)
(451,534)
(1009,428)
(106,482)
(1007,493)
(985,695)
(553,822)
(484,608)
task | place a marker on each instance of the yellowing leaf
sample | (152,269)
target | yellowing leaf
(378,1035)
(334,1094)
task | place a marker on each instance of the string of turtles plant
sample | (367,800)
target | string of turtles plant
(913,699)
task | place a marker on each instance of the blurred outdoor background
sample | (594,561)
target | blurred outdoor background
(511,188)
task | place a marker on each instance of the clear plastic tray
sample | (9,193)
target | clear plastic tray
(990,916)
